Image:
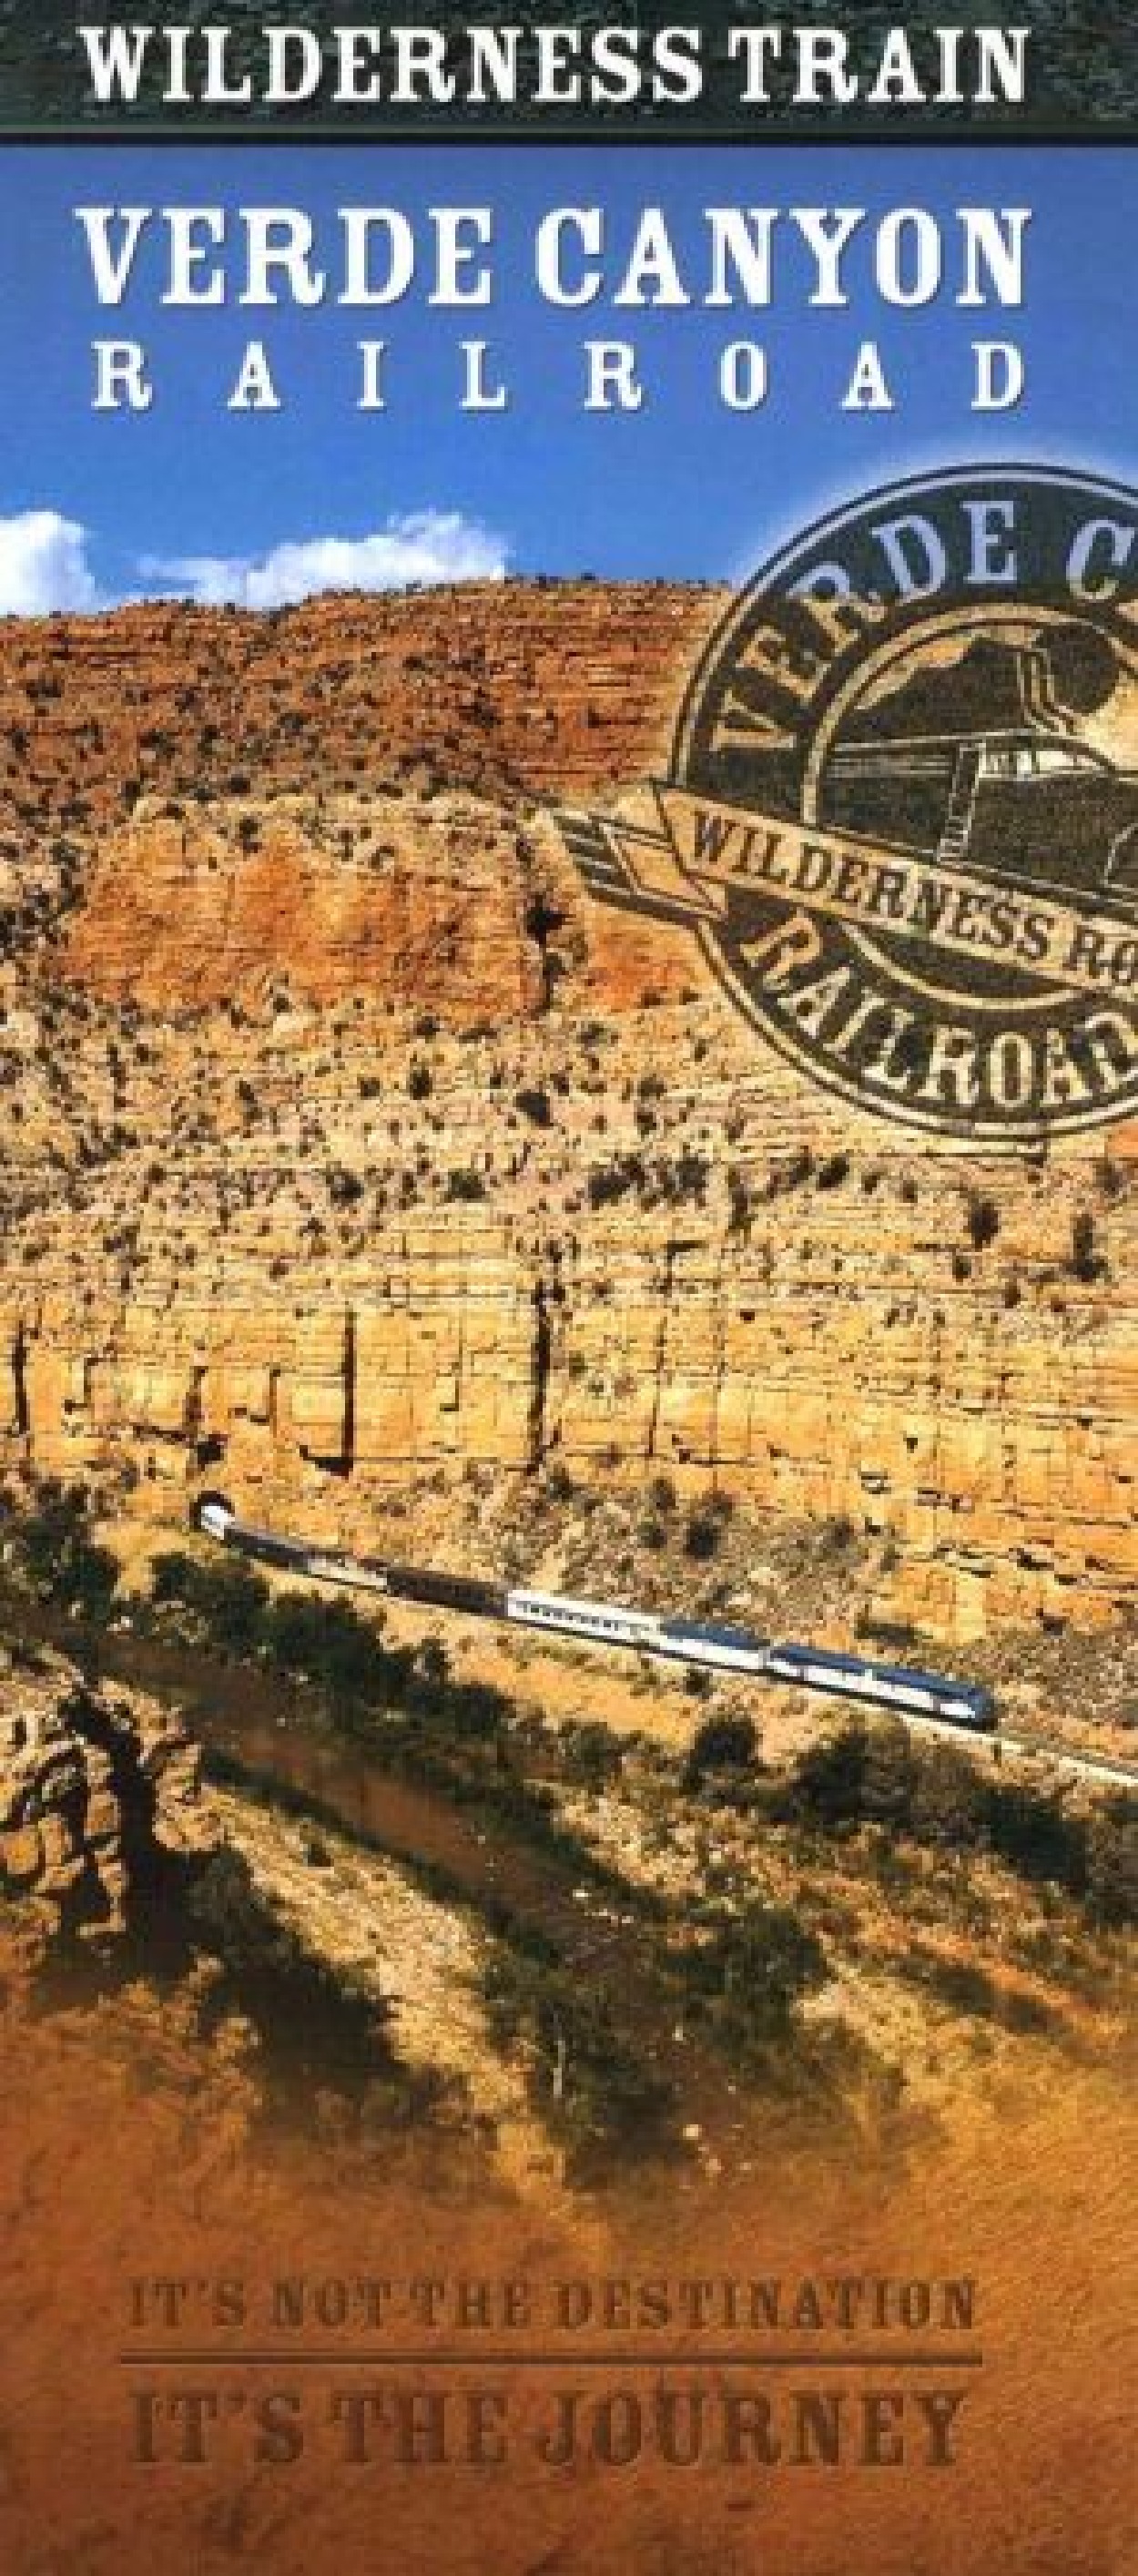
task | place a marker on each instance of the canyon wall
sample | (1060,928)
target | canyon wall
(353,1152)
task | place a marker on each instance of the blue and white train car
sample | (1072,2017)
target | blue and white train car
(712,1644)
(910,1692)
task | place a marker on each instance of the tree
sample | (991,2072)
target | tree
(949,1803)
(889,1776)
(828,1780)
(59,1557)
(746,1980)
(721,1744)
(1112,1863)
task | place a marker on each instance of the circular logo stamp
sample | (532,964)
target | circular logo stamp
(902,809)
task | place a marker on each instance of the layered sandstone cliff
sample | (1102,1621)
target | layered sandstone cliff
(349,1147)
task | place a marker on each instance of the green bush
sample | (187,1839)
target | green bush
(720,1744)
(586,2073)
(57,1556)
(1112,1863)
(702,1536)
(534,1103)
(744,1982)
(936,1795)
(226,1602)
(328,1644)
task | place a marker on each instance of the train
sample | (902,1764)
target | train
(699,1644)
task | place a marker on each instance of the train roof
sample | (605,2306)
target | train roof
(835,1662)
(589,1609)
(712,1632)
(887,751)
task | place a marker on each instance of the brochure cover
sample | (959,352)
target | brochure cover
(569,1097)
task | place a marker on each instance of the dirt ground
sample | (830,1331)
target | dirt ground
(119,2169)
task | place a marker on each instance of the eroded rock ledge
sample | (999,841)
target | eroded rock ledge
(98,1787)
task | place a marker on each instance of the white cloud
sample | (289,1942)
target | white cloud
(427,546)
(43,565)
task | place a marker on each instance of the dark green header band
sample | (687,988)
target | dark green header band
(829,70)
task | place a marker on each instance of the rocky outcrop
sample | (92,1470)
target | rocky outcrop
(505,689)
(97,1787)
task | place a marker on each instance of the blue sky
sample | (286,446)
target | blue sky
(683,488)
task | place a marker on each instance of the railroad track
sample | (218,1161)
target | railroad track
(1102,1769)
(1098,1767)
(931,1702)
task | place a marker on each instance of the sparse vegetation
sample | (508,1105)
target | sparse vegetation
(935,1795)
(983,1220)
(56,1555)
(723,1744)
(591,2080)
(464,1185)
(1087,1263)
(327,1644)
(742,1980)
(702,1534)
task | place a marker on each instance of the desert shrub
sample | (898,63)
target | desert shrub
(1112,1863)
(702,1535)
(982,1218)
(591,1754)
(58,1557)
(687,1177)
(721,1744)
(534,1104)
(585,2071)
(888,1774)
(743,1982)
(227,1603)
(936,1795)
(827,1783)
(608,1182)
(949,1801)
(835,1534)
(1034,1833)
(90,1581)
(1085,1260)
(324,1641)
(328,1644)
